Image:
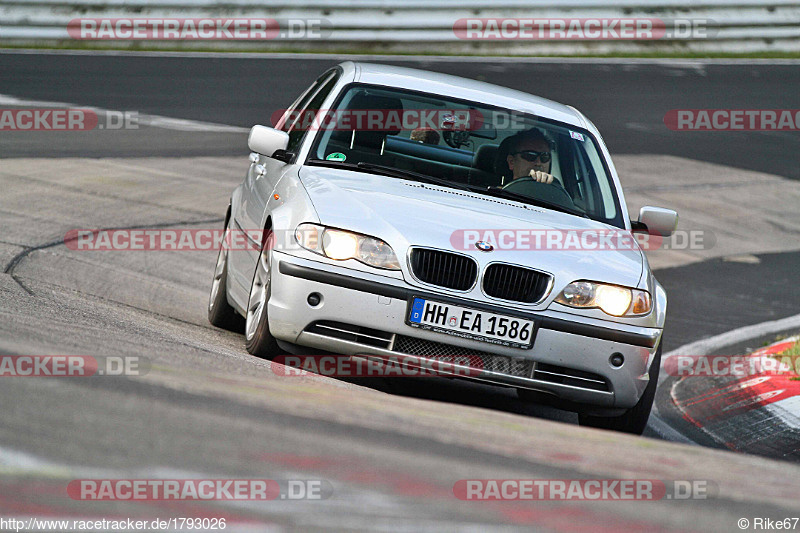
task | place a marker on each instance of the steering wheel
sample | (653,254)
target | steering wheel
(549,192)
(455,139)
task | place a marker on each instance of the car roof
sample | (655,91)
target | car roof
(461,88)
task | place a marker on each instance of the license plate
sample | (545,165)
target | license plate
(470,323)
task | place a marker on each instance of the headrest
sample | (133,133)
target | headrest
(501,158)
(364,101)
(369,139)
(484,158)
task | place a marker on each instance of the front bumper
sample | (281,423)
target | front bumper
(569,358)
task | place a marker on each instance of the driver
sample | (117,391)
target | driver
(530,156)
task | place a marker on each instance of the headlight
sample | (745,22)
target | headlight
(341,245)
(612,299)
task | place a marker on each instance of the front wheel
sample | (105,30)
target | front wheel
(635,419)
(220,312)
(259,341)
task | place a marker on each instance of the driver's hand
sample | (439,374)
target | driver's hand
(541,177)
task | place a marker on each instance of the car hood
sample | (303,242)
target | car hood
(407,213)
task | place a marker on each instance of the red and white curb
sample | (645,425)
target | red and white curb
(757,411)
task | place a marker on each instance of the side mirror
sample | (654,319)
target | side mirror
(656,220)
(266,141)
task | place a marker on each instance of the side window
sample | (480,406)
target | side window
(288,117)
(585,182)
(605,195)
(307,108)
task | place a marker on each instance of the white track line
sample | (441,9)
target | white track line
(706,346)
(153,121)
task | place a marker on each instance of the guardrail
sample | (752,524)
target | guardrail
(428,26)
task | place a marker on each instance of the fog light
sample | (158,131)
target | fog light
(314,299)
(616,359)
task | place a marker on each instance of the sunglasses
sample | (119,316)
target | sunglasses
(530,155)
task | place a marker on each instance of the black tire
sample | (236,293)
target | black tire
(258,339)
(220,313)
(635,419)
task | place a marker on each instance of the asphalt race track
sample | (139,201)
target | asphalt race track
(627,100)
(387,454)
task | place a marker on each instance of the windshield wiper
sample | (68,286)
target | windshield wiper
(410,174)
(334,164)
(502,193)
(392,172)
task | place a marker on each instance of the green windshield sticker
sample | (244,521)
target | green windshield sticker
(336,156)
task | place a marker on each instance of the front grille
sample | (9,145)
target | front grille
(518,284)
(444,269)
(478,359)
(414,346)
(352,333)
(569,376)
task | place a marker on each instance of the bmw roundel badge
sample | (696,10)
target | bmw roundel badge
(484,246)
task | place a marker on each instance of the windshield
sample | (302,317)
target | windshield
(488,150)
